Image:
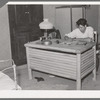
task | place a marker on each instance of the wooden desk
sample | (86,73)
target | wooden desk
(70,61)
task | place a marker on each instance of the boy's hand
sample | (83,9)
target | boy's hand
(66,37)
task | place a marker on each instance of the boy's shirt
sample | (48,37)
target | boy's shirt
(78,34)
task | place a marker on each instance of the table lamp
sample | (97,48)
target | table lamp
(46,25)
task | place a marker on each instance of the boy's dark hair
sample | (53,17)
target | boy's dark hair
(82,21)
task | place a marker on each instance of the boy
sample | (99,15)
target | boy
(82,32)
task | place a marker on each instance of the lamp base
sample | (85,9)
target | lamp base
(47,42)
(45,39)
(46,34)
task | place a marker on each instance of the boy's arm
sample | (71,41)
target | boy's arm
(85,39)
(88,39)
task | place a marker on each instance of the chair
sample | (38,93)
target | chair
(55,34)
(6,83)
(97,49)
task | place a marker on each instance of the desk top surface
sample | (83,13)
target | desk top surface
(74,46)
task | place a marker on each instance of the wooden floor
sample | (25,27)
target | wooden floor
(26,84)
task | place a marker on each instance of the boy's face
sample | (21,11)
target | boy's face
(82,28)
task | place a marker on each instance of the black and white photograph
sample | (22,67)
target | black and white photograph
(50,46)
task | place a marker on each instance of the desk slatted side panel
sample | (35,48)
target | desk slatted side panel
(87,62)
(60,64)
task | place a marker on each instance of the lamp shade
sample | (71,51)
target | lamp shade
(46,24)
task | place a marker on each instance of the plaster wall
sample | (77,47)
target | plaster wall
(5,46)
(99,24)
(92,16)
(49,12)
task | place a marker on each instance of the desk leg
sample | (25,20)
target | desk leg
(30,73)
(78,84)
(28,63)
(78,72)
(94,74)
(94,71)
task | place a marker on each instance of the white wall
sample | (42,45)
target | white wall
(5,46)
(92,16)
(99,25)
(49,12)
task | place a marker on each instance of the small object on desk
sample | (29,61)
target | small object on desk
(42,38)
(81,43)
(66,42)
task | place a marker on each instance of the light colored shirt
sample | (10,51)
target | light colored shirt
(78,34)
